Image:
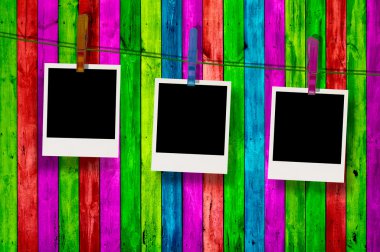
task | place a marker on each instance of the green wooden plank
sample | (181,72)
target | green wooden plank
(150,181)
(68,166)
(316,191)
(8,127)
(295,56)
(234,180)
(130,127)
(356,127)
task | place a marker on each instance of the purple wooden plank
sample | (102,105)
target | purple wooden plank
(109,167)
(192,182)
(373,126)
(275,56)
(47,166)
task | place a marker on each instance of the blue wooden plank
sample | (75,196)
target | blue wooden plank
(254,126)
(171,182)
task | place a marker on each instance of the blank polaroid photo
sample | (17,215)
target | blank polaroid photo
(81,111)
(191,126)
(308,135)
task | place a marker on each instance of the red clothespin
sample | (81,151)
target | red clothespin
(312,66)
(82,34)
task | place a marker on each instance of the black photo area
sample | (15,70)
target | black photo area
(308,128)
(81,105)
(191,120)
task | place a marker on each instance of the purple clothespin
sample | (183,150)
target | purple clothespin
(192,64)
(312,66)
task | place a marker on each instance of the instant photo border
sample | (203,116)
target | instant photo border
(193,163)
(303,171)
(81,147)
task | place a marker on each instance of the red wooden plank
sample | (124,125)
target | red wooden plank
(89,191)
(336,59)
(27,127)
(212,184)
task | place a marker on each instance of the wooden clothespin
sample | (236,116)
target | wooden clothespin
(312,65)
(82,34)
(192,65)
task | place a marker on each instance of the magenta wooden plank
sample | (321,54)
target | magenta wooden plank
(373,126)
(47,166)
(274,56)
(109,167)
(192,182)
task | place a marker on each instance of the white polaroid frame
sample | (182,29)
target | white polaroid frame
(301,170)
(192,163)
(80,147)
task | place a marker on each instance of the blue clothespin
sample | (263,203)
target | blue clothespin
(192,57)
(312,66)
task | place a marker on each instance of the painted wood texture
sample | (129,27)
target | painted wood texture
(151,229)
(70,202)
(130,134)
(212,49)
(254,126)
(171,181)
(109,167)
(295,56)
(47,166)
(27,127)
(356,127)
(68,166)
(274,56)
(192,182)
(336,59)
(315,192)
(89,180)
(234,180)
(8,128)
(373,126)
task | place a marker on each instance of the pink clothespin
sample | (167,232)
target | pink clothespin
(312,66)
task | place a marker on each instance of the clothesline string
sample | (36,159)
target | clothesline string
(175,58)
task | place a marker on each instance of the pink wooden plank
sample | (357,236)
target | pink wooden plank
(275,56)
(192,182)
(373,126)
(109,167)
(47,166)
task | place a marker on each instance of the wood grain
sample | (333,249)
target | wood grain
(373,126)
(192,182)
(8,128)
(89,180)
(47,166)
(110,167)
(130,133)
(27,127)
(171,181)
(274,56)
(151,228)
(315,192)
(254,126)
(212,49)
(356,127)
(234,180)
(295,56)
(68,166)
(336,59)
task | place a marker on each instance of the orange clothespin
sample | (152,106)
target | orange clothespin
(82,34)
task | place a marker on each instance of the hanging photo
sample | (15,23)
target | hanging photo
(308,135)
(81,111)
(191,126)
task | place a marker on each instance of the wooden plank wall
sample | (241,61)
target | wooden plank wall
(91,204)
